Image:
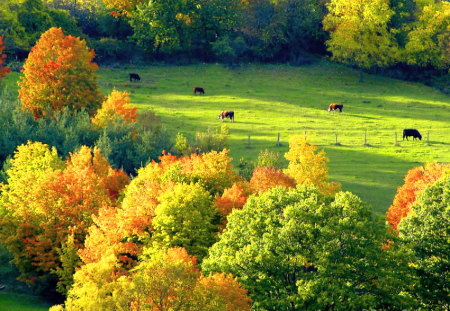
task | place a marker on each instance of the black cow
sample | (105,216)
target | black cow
(198,89)
(226,114)
(134,77)
(411,132)
(333,107)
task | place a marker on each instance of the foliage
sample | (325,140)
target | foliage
(58,201)
(185,217)
(307,166)
(232,198)
(167,27)
(266,177)
(295,249)
(3,69)
(116,106)
(22,22)
(359,33)
(269,158)
(158,193)
(59,73)
(416,180)
(283,30)
(428,40)
(425,233)
(164,280)
(212,139)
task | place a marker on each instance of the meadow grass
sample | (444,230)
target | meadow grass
(17,302)
(272,99)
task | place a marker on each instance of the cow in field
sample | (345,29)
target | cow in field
(226,114)
(134,77)
(411,132)
(334,107)
(199,90)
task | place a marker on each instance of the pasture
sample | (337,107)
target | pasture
(272,99)
(16,302)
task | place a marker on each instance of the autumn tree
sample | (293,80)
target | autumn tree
(308,166)
(265,178)
(428,42)
(163,280)
(232,198)
(57,203)
(3,69)
(59,73)
(359,33)
(416,180)
(115,107)
(296,249)
(124,231)
(425,235)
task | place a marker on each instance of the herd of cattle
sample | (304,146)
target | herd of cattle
(332,107)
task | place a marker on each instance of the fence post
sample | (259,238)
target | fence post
(428,137)
(396,141)
(336,140)
(248,141)
(365,137)
(278,140)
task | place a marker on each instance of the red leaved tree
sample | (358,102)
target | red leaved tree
(59,73)
(3,69)
(416,180)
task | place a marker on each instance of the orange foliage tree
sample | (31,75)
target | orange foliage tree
(232,198)
(416,180)
(307,166)
(61,203)
(59,73)
(3,69)
(123,232)
(266,177)
(115,107)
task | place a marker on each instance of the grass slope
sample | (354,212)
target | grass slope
(16,302)
(272,99)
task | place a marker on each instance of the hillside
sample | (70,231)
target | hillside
(272,99)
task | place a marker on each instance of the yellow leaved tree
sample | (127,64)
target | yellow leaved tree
(308,166)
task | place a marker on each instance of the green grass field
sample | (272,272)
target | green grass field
(16,302)
(272,99)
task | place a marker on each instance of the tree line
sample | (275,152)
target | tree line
(402,38)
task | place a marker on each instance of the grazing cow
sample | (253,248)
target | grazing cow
(134,77)
(334,107)
(226,114)
(198,89)
(411,132)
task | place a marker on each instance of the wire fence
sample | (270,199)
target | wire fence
(352,137)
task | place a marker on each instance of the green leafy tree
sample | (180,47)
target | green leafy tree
(425,233)
(359,33)
(299,250)
(166,27)
(184,218)
(22,22)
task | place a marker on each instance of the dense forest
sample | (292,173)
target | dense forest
(102,209)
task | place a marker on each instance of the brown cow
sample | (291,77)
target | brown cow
(334,107)
(226,114)
(198,89)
